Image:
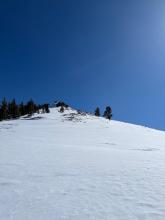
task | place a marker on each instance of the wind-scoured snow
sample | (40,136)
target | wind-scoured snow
(64,166)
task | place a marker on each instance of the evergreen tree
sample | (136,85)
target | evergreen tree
(9,110)
(4,110)
(39,108)
(46,106)
(108,113)
(62,109)
(22,109)
(97,112)
(1,115)
(13,110)
(30,108)
(43,109)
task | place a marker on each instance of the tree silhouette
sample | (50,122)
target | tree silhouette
(108,113)
(46,106)
(30,108)
(13,110)
(62,109)
(4,110)
(97,112)
(22,109)
(10,110)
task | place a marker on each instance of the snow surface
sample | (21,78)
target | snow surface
(67,166)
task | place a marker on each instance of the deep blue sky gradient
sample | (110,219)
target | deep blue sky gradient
(89,53)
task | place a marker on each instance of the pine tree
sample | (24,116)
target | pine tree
(4,110)
(108,113)
(13,110)
(97,112)
(46,106)
(39,109)
(9,110)
(62,109)
(30,108)
(43,109)
(22,109)
(1,115)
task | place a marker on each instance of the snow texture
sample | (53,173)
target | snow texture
(65,166)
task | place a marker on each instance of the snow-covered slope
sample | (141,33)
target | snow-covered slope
(75,167)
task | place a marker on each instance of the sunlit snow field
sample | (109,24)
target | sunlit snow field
(75,167)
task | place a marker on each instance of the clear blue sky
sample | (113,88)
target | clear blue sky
(89,53)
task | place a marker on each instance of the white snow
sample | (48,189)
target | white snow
(87,168)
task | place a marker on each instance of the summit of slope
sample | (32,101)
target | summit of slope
(110,133)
